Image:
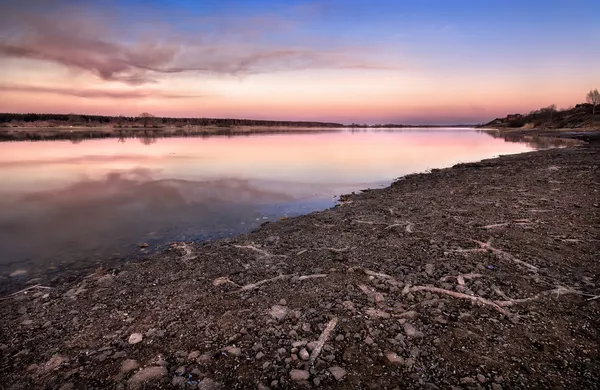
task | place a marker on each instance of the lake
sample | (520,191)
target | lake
(74,205)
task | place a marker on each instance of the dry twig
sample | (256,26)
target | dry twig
(323,339)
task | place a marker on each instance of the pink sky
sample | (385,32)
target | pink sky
(346,63)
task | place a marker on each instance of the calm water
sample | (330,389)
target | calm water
(67,205)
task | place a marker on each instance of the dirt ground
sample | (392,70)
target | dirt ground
(482,276)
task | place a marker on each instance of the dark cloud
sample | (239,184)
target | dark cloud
(94,93)
(77,36)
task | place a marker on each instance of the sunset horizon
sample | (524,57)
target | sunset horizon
(344,62)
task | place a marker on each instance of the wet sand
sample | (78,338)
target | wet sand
(484,275)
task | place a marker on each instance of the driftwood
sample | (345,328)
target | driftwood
(323,339)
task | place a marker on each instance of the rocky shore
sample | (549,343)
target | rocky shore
(481,276)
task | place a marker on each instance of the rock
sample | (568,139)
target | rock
(369,340)
(234,351)
(339,337)
(119,355)
(209,384)
(304,355)
(409,315)
(52,364)
(283,302)
(135,338)
(467,381)
(129,365)
(376,313)
(429,269)
(193,355)
(338,372)
(18,273)
(143,245)
(412,331)
(496,386)
(481,378)
(306,327)
(394,359)
(146,375)
(34,281)
(67,386)
(262,387)
(299,375)
(312,345)
(259,356)
(27,323)
(279,312)
(178,381)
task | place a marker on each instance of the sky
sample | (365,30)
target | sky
(375,61)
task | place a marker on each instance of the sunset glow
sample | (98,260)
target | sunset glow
(342,61)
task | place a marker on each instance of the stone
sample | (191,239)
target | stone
(279,312)
(409,315)
(412,331)
(135,338)
(306,327)
(394,359)
(18,273)
(481,378)
(119,355)
(304,355)
(339,337)
(338,372)
(376,313)
(312,345)
(129,365)
(369,340)
(496,386)
(178,381)
(52,364)
(262,387)
(233,351)
(27,323)
(429,269)
(193,355)
(146,375)
(283,302)
(467,381)
(209,384)
(67,386)
(259,356)
(299,375)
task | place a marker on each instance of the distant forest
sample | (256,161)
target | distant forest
(144,120)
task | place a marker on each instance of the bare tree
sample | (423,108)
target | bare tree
(593,97)
(146,118)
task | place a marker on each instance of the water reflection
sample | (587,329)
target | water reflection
(66,205)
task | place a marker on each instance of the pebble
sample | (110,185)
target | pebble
(306,327)
(369,340)
(259,356)
(339,337)
(412,331)
(234,351)
(338,372)
(376,313)
(304,355)
(119,355)
(209,384)
(279,312)
(312,345)
(283,302)
(496,386)
(129,365)
(429,269)
(17,273)
(299,375)
(193,355)
(409,314)
(135,338)
(481,378)
(146,375)
(393,358)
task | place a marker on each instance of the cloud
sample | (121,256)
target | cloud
(95,93)
(77,36)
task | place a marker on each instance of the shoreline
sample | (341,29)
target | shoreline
(379,267)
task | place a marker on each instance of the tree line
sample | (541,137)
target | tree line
(145,120)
